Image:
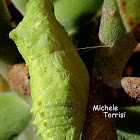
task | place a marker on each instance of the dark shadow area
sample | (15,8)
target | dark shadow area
(129,124)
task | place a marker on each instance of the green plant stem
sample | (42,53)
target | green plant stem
(110,62)
(9,54)
(108,66)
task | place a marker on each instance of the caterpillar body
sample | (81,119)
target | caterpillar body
(58,77)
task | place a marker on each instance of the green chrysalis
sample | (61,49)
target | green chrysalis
(58,77)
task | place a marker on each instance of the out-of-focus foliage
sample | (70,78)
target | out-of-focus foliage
(14,115)
(128,127)
(130,13)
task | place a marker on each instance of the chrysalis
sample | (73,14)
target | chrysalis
(59,78)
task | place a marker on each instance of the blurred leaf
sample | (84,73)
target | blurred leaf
(128,128)
(14,115)
(20,5)
(72,14)
(29,133)
(130,13)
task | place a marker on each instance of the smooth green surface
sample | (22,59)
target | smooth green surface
(20,5)
(128,128)
(14,115)
(130,13)
(59,78)
(73,14)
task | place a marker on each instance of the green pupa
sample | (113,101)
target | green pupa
(58,77)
